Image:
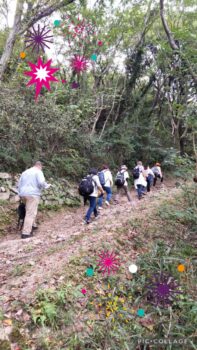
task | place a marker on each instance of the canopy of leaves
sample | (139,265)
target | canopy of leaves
(137,99)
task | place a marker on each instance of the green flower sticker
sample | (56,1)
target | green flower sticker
(90,271)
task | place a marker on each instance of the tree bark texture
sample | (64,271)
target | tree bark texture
(11,38)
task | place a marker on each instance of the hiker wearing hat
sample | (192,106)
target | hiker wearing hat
(31,184)
(157,172)
(122,183)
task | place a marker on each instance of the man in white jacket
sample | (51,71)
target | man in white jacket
(31,183)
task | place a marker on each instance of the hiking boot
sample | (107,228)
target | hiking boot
(96,216)
(23,236)
(86,222)
(100,208)
(107,203)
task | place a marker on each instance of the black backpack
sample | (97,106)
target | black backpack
(86,186)
(21,211)
(119,181)
(136,173)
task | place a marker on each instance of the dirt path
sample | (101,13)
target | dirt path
(39,262)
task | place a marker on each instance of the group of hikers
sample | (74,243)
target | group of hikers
(93,187)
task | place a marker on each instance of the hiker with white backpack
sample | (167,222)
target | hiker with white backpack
(106,180)
(89,188)
(122,183)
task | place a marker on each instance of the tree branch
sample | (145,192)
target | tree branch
(41,13)
(173,44)
(171,40)
(20,26)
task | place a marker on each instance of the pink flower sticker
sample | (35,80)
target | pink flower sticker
(83,291)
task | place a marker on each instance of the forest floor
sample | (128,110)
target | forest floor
(62,242)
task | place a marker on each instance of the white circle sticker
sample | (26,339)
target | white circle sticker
(133,268)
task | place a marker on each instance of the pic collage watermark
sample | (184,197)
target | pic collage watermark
(158,341)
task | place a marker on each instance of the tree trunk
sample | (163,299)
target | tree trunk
(11,38)
(195,151)
(21,25)
(182,146)
(173,43)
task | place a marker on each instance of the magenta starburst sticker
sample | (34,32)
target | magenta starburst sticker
(79,63)
(41,74)
(38,39)
(162,290)
(108,262)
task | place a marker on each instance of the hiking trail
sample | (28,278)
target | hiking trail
(39,262)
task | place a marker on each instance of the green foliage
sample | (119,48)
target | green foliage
(137,101)
(6,216)
(51,307)
(180,167)
(187,215)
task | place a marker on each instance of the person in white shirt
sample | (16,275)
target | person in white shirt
(149,176)
(157,172)
(93,196)
(124,186)
(140,183)
(31,184)
(107,186)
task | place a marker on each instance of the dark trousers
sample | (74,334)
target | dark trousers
(92,208)
(140,190)
(148,185)
(157,176)
(149,180)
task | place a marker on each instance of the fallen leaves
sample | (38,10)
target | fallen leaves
(7,322)
(147,323)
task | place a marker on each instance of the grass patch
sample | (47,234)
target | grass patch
(7,216)
(18,270)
